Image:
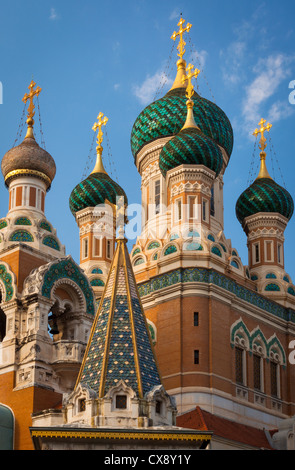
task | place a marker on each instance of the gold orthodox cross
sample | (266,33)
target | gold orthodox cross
(191,74)
(98,125)
(261,131)
(30,96)
(180,33)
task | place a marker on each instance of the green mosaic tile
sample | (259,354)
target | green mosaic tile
(210,276)
(51,242)
(67,269)
(23,221)
(191,147)
(264,195)
(166,116)
(21,236)
(6,278)
(94,190)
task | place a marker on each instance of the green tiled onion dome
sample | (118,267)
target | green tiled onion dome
(190,146)
(166,116)
(264,195)
(95,189)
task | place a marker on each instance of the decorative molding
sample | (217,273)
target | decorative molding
(209,276)
(44,279)
(239,328)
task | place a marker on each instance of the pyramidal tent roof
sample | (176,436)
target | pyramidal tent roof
(120,346)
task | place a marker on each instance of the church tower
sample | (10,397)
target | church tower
(94,204)
(217,330)
(119,401)
(264,210)
(47,303)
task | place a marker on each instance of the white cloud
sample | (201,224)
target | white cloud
(198,58)
(116,86)
(270,73)
(147,91)
(53,14)
(279,110)
(233,60)
(175,14)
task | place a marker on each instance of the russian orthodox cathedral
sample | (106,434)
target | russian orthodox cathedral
(176,343)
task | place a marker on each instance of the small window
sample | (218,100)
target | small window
(212,205)
(257,372)
(196,318)
(85,248)
(82,405)
(256,253)
(109,247)
(178,214)
(239,359)
(274,379)
(205,210)
(280,256)
(158,407)
(157,196)
(196,356)
(121,402)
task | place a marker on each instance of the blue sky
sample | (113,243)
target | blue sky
(90,56)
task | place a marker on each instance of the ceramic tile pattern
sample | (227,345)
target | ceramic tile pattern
(129,343)
(166,116)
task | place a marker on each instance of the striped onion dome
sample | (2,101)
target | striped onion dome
(264,195)
(191,147)
(95,189)
(165,117)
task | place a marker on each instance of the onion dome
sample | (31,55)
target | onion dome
(98,187)
(264,195)
(166,116)
(28,158)
(190,146)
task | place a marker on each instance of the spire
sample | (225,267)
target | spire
(31,109)
(190,121)
(99,168)
(119,346)
(181,63)
(263,173)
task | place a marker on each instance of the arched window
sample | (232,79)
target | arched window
(241,343)
(274,379)
(240,365)
(259,352)
(2,322)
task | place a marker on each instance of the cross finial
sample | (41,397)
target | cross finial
(98,125)
(261,131)
(191,73)
(102,120)
(31,109)
(180,33)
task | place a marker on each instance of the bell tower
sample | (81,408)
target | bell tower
(47,304)
(264,210)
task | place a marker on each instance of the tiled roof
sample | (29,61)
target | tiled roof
(224,428)
(119,347)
